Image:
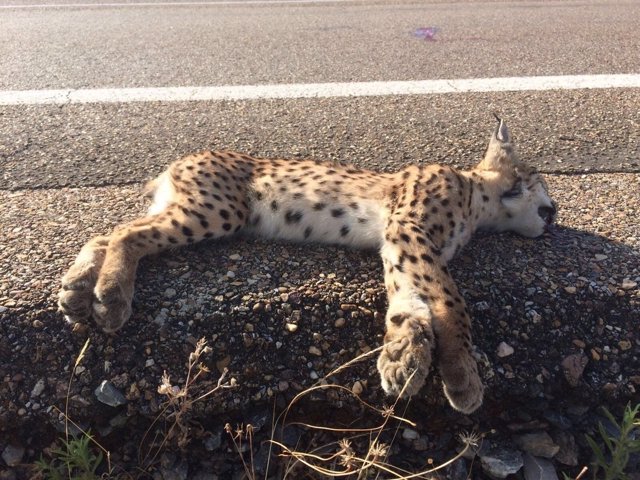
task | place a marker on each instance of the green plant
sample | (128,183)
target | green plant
(74,461)
(614,458)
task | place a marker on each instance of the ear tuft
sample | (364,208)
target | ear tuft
(502,132)
(500,152)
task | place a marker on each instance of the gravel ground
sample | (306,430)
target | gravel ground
(555,328)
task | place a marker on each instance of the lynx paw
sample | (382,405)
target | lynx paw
(112,305)
(462,386)
(75,298)
(406,356)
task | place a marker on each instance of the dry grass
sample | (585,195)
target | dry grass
(178,406)
(360,453)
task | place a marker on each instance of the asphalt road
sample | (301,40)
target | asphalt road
(353,41)
(154,46)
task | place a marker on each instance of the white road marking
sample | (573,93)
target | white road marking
(316,90)
(167,4)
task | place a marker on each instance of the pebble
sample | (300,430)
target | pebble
(291,327)
(599,257)
(235,256)
(579,343)
(538,444)
(313,350)
(12,455)
(357,388)
(500,462)
(170,293)
(538,468)
(570,290)
(109,395)
(38,388)
(624,345)
(504,350)
(410,434)
(573,367)
(339,323)
(568,453)
(628,284)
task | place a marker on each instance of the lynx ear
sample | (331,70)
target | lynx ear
(500,152)
(502,132)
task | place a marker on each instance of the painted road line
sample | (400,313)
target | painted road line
(317,90)
(169,4)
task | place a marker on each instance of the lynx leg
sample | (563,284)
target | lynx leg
(405,360)
(76,296)
(175,226)
(423,301)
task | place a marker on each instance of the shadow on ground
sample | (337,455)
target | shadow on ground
(280,317)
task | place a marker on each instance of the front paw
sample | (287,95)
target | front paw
(405,360)
(112,305)
(74,300)
(462,385)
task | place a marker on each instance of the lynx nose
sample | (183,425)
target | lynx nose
(547,214)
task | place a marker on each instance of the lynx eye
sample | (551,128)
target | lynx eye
(515,191)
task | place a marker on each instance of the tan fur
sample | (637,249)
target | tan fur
(418,217)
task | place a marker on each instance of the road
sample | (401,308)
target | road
(265,43)
(72,170)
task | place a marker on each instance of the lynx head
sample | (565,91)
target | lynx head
(519,194)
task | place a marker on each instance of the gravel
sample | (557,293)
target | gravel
(290,314)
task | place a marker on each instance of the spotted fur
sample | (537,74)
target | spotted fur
(418,218)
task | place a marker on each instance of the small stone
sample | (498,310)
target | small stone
(628,284)
(291,327)
(348,307)
(12,455)
(37,324)
(579,343)
(595,355)
(170,293)
(357,388)
(231,274)
(38,388)
(283,385)
(570,290)
(150,362)
(538,468)
(410,434)
(313,350)
(624,345)
(109,395)
(258,307)
(235,256)
(538,444)
(339,323)
(599,257)
(573,367)
(504,350)
(500,462)
(248,327)
(568,453)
